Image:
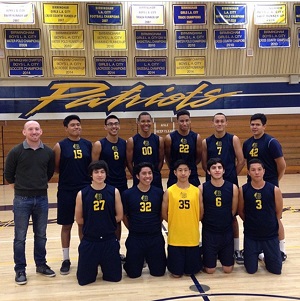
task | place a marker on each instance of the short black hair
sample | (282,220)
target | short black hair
(181,162)
(254,161)
(183,112)
(69,118)
(137,168)
(220,114)
(143,114)
(111,117)
(262,117)
(100,164)
(213,161)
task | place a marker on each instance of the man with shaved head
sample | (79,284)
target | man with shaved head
(28,168)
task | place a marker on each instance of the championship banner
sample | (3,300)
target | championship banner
(22,38)
(104,14)
(190,65)
(297,13)
(68,66)
(230,39)
(230,14)
(66,39)
(55,13)
(109,40)
(147,15)
(270,14)
(17,13)
(151,66)
(274,38)
(191,39)
(151,39)
(189,14)
(25,66)
(111,66)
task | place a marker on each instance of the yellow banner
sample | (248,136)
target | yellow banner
(270,14)
(190,65)
(71,66)
(109,39)
(60,13)
(66,39)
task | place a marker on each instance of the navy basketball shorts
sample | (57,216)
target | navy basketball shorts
(66,201)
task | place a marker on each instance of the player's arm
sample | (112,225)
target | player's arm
(281,166)
(168,143)
(118,206)
(278,202)
(241,204)
(96,151)
(57,152)
(79,210)
(161,153)
(198,149)
(164,206)
(235,199)
(240,161)
(204,155)
(129,154)
(201,202)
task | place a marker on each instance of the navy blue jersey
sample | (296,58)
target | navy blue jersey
(98,212)
(183,147)
(114,154)
(223,148)
(75,157)
(217,202)
(266,149)
(260,212)
(143,209)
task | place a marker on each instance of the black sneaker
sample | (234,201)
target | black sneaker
(21,277)
(283,256)
(123,258)
(65,267)
(239,256)
(45,270)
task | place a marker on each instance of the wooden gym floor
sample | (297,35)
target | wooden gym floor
(220,287)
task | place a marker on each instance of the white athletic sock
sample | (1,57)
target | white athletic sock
(261,256)
(282,245)
(66,254)
(236,244)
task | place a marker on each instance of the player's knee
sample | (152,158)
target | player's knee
(227,269)
(210,270)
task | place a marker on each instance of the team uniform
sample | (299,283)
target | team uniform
(183,230)
(183,147)
(114,154)
(75,157)
(223,148)
(266,149)
(147,150)
(99,245)
(145,240)
(261,228)
(217,231)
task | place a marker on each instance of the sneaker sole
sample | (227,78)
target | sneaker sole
(53,275)
(239,262)
(64,273)
(21,282)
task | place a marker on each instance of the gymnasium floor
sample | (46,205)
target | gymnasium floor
(235,286)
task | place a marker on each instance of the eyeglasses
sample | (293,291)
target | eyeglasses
(110,124)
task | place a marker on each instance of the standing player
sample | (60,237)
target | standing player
(220,201)
(227,147)
(142,216)
(183,209)
(267,149)
(98,210)
(112,149)
(183,144)
(146,147)
(260,207)
(72,158)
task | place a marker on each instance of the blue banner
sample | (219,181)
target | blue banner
(111,66)
(274,38)
(297,13)
(25,66)
(22,39)
(191,39)
(189,14)
(105,14)
(230,14)
(150,39)
(151,66)
(228,39)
